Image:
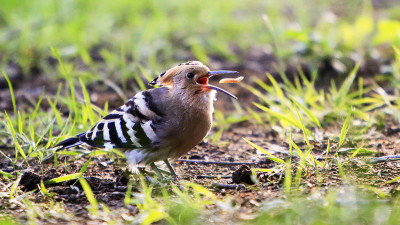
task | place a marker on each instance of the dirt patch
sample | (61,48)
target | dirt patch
(242,175)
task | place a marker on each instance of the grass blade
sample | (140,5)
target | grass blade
(327,152)
(89,195)
(56,112)
(278,90)
(83,169)
(43,188)
(63,178)
(11,93)
(340,167)
(356,152)
(5,174)
(307,112)
(14,186)
(344,89)
(343,132)
(18,148)
(86,97)
(288,177)
(217,136)
(273,158)
(262,170)
(277,115)
(296,147)
(392,180)
(303,129)
(33,115)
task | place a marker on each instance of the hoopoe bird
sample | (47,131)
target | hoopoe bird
(160,123)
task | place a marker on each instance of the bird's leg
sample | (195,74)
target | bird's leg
(156,170)
(171,169)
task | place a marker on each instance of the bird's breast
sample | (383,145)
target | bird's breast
(185,125)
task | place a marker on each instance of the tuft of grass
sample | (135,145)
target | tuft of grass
(339,206)
(184,203)
(303,161)
(283,101)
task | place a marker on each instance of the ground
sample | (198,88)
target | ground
(222,167)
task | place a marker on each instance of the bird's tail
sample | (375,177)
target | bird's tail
(70,142)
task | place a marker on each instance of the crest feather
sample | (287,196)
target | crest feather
(165,78)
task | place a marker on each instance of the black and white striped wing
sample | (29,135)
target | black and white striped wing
(129,126)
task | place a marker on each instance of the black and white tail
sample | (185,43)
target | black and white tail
(70,142)
(131,126)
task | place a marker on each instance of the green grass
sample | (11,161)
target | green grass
(342,206)
(319,108)
(83,46)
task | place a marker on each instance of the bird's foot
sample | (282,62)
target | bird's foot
(171,176)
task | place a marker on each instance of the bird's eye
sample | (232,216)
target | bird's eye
(189,75)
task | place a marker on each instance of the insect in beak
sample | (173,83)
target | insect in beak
(204,81)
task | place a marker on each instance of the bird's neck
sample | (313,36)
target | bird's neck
(201,101)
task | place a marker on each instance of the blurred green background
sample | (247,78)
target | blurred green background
(117,37)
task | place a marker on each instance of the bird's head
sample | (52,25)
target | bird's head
(192,75)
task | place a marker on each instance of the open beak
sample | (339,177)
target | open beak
(204,81)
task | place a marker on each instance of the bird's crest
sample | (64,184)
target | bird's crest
(165,78)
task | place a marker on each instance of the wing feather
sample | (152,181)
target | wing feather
(129,126)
